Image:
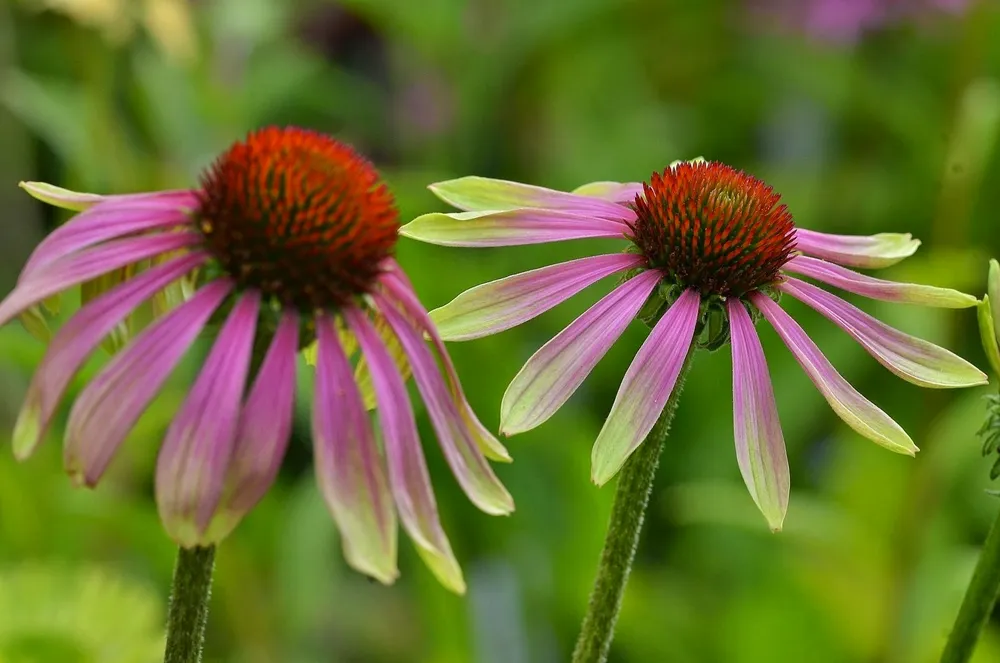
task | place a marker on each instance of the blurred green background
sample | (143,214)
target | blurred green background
(892,131)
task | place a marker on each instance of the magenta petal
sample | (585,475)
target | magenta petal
(85,265)
(193,462)
(457,440)
(560,366)
(760,445)
(100,224)
(516,227)
(478,194)
(109,406)
(646,387)
(409,478)
(856,411)
(348,467)
(78,338)
(401,290)
(499,305)
(264,430)
(863,251)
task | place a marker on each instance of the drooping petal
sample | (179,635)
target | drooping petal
(886,291)
(760,445)
(349,469)
(622,193)
(857,412)
(560,366)
(863,251)
(109,406)
(77,340)
(993,290)
(499,305)
(479,194)
(456,438)
(100,224)
(264,430)
(363,375)
(509,228)
(88,264)
(646,387)
(194,459)
(401,290)
(76,201)
(988,333)
(913,359)
(409,478)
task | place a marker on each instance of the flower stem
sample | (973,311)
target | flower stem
(980,596)
(635,483)
(188,612)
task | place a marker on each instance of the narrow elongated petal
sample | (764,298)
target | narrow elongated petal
(194,459)
(401,291)
(560,366)
(509,228)
(100,224)
(862,251)
(478,194)
(760,446)
(349,469)
(78,339)
(886,291)
(499,305)
(109,406)
(988,333)
(74,270)
(457,439)
(363,375)
(993,290)
(857,412)
(264,429)
(913,359)
(409,478)
(76,201)
(647,386)
(617,192)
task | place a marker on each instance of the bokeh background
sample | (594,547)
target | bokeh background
(867,116)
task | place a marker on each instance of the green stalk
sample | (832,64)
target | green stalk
(187,616)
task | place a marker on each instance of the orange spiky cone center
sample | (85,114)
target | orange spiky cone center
(298,216)
(713,228)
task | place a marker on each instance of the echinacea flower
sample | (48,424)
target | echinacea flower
(711,250)
(288,241)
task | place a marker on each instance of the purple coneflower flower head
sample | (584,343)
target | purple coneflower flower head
(989,317)
(711,250)
(287,243)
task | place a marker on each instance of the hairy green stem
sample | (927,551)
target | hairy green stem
(635,483)
(188,612)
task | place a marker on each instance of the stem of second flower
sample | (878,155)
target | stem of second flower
(187,615)
(635,483)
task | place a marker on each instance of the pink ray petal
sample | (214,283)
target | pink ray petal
(510,228)
(349,469)
(479,194)
(194,459)
(496,306)
(74,200)
(646,388)
(458,442)
(857,411)
(623,193)
(560,366)
(109,406)
(913,359)
(86,265)
(100,224)
(79,338)
(863,251)
(886,291)
(409,478)
(760,445)
(401,290)
(264,430)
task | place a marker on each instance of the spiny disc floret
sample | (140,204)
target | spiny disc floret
(298,216)
(713,228)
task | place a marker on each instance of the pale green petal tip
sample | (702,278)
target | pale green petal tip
(382,567)
(775,519)
(27,430)
(442,318)
(498,503)
(445,568)
(993,290)
(59,197)
(987,331)
(603,468)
